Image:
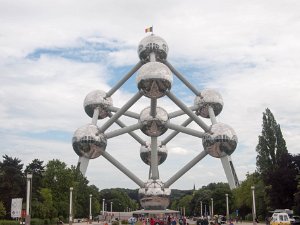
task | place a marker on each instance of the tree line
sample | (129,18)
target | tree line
(276,181)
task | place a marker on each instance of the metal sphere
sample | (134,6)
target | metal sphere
(97,99)
(221,142)
(154,196)
(88,141)
(154,79)
(208,98)
(145,153)
(154,44)
(154,126)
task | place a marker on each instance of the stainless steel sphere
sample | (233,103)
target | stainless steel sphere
(97,99)
(145,153)
(154,79)
(221,142)
(153,196)
(88,141)
(208,98)
(154,44)
(154,126)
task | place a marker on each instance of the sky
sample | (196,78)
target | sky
(53,53)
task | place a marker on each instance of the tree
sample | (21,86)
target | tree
(37,169)
(243,196)
(12,180)
(2,210)
(274,163)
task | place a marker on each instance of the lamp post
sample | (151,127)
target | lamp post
(119,214)
(111,203)
(212,207)
(91,208)
(29,180)
(103,202)
(253,204)
(71,216)
(227,207)
(201,214)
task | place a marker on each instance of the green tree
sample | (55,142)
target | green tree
(37,169)
(2,210)
(12,181)
(274,163)
(243,196)
(59,178)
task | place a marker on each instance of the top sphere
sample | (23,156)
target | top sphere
(97,99)
(208,98)
(154,44)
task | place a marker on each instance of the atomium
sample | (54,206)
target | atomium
(154,44)
(88,141)
(208,98)
(221,142)
(154,126)
(145,153)
(97,100)
(154,196)
(154,79)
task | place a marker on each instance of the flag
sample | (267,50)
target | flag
(149,29)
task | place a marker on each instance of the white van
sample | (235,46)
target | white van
(280,219)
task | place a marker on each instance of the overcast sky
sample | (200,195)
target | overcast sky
(53,53)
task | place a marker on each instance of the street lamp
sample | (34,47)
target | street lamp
(201,214)
(253,204)
(212,207)
(119,214)
(29,181)
(111,207)
(103,202)
(227,207)
(71,216)
(91,208)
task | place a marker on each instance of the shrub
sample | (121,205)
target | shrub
(36,221)
(9,222)
(249,217)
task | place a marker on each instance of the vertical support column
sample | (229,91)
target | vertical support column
(95,116)
(205,212)
(28,198)
(227,207)
(154,159)
(71,212)
(90,220)
(253,205)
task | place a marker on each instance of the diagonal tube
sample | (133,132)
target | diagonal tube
(132,134)
(121,111)
(187,111)
(186,168)
(180,77)
(127,113)
(180,112)
(174,133)
(185,130)
(123,130)
(124,79)
(122,168)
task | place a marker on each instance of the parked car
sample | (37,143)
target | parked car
(296,220)
(280,219)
